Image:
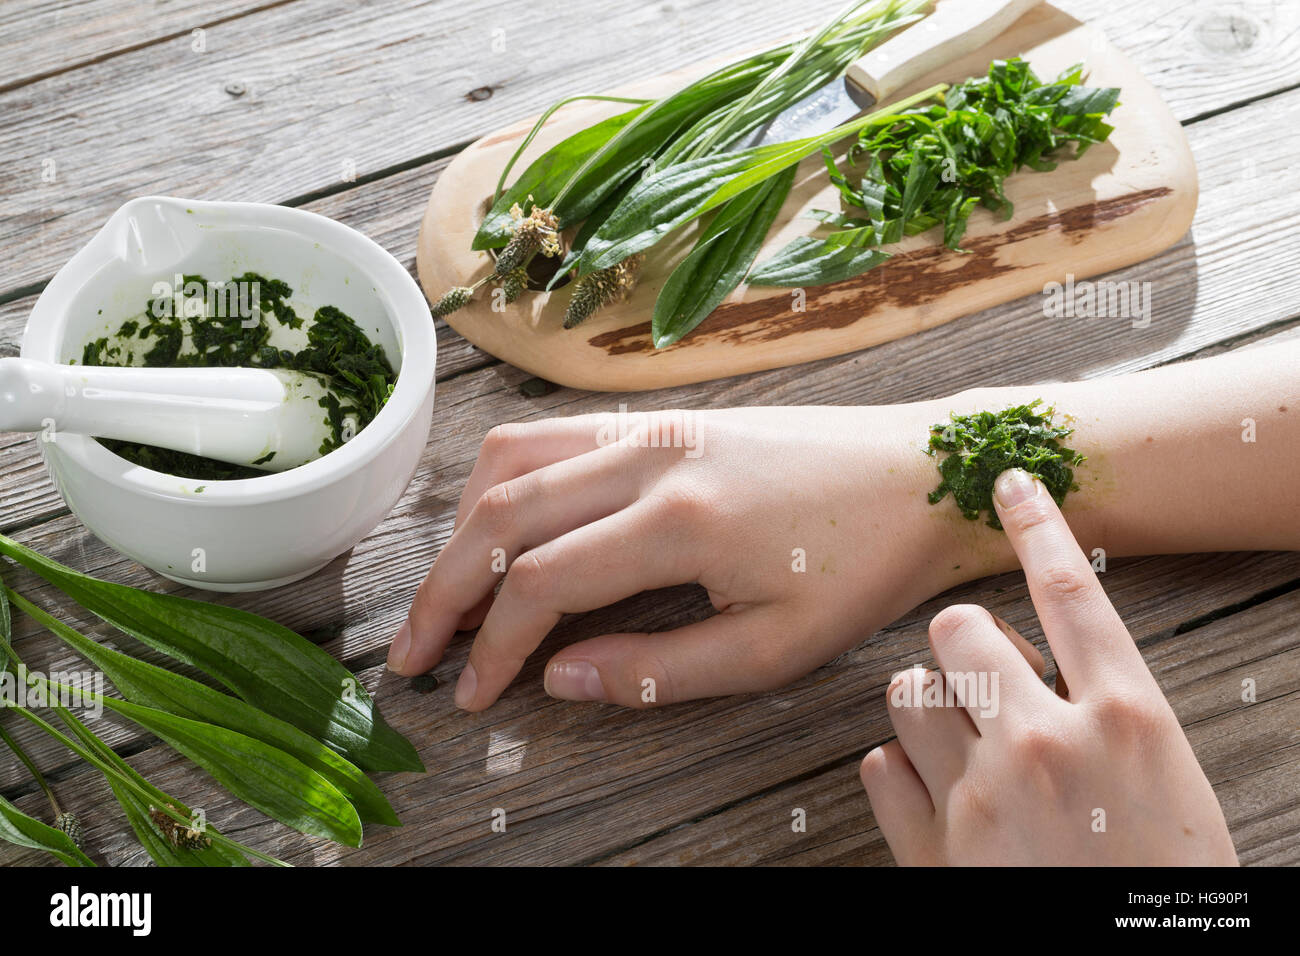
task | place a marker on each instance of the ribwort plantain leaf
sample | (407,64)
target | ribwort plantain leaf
(152,686)
(160,850)
(267,779)
(807,261)
(633,178)
(720,259)
(264,663)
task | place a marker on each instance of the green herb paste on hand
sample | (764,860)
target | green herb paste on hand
(980,447)
(229,325)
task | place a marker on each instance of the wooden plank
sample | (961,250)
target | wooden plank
(470,404)
(1205,56)
(371,88)
(53,37)
(900,372)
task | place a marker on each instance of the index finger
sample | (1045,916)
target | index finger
(1087,637)
(515,449)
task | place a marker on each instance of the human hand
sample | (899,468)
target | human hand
(582,522)
(1024,776)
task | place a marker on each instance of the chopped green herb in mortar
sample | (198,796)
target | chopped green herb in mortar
(982,446)
(220,324)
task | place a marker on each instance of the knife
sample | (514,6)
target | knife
(955,28)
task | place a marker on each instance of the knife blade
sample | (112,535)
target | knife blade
(821,110)
(955,28)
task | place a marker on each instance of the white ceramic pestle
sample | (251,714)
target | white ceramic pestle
(236,415)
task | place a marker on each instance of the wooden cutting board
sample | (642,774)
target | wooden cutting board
(1124,201)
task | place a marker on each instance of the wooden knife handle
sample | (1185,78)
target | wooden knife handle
(955,27)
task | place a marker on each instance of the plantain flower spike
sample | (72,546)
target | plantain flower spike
(539,231)
(69,824)
(178,834)
(451,301)
(514,284)
(599,289)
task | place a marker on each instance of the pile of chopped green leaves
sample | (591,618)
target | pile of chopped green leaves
(931,166)
(627,182)
(982,446)
(355,370)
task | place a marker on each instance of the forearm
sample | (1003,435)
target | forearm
(1198,456)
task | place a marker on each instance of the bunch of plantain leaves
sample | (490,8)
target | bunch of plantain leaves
(628,181)
(294,738)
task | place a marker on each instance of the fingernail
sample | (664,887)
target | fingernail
(401,646)
(1014,486)
(574,680)
(466,686)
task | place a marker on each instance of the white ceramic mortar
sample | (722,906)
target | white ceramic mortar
(258,532)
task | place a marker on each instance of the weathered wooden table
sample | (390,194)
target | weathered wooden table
(351,110)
